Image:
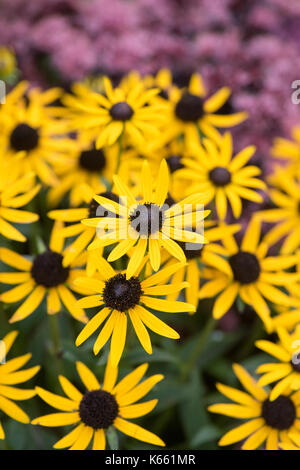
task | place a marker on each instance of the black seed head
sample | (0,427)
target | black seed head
(121,111)
(174,163)
(280,413)
(189,108)
(147,219)
(295,362)
(220,176)
(24,137)
(122,294)
(93,206)
(47,269)
(92,160)
(245,267)
(98,409)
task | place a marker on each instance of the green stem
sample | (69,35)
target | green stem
(200,345)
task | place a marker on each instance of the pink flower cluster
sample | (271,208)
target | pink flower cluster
(250,45)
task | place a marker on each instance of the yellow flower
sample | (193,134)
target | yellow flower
(145,223)
(15,192)
(30,126)
(214,171)
(247,271)
(11,374)
(268,421)
(120,297)
(286,215)
(287,372)
(132,112)
(44,276)
(84,234)
(100,407)
(192,110)
(85,171)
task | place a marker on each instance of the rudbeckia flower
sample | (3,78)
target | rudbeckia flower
(286,215)
(44,276)
(267,422)
(11,374)
(132,113)
(120,298)
(223,177)
(145,224)
(31,127)
(192,110)
(286,372)
(247,271)
(84,234)
(85,171)
(100,407)
(15,193)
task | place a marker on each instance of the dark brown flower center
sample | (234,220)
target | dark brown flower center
(245,267)
(189,108)
(121,111)
(147,219)
(102,212)
(280,413)
(220,176)
(122,294)
(92,160)
(24,137)
(174,163)
(47,269)
(98,409)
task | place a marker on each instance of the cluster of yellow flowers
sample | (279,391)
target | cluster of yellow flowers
(141,184)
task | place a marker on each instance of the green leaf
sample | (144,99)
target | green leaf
(112,438)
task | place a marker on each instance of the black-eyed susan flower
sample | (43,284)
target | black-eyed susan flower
(86,171)
(286,372)
(44,276)
(267,422)
(99,408)
(132,113)
(28,125)
(247,271)
(191,111)
(84,234)
(286,214)
(11,374)
(120,298)
(146,224)
(223,177)
(15,192)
